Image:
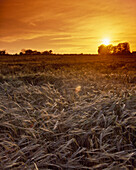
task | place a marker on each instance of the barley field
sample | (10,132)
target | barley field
(68,112)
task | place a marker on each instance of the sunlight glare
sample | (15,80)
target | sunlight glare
(106,41)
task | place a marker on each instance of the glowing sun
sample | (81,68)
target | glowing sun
(106,41)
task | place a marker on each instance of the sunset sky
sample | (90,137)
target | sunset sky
(66,26)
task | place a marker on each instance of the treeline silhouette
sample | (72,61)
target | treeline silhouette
(28,52)
(34,52)
(121,48)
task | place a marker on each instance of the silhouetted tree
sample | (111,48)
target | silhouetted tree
(103,49)
(114,49)
(47,52)
(50,51)
(2,52)
(21,53)
(36,52)
(134,52)
(121,48)
(28,52)
(109,49)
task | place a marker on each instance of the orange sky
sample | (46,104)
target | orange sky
(66,26)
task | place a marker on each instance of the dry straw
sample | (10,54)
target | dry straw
(72,117)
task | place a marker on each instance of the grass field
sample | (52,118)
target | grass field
(68,112)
